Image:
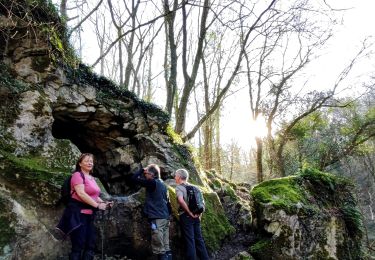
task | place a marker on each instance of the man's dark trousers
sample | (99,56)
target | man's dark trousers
(191,231)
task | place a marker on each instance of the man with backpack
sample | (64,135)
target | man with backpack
(157,209)
(190,212)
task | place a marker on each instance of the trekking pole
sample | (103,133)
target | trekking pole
(102,233)
(105,217)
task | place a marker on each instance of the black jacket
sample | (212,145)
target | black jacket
(157,205)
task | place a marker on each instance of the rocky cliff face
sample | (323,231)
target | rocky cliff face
(52,108)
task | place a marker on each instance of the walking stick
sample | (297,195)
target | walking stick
(102,234)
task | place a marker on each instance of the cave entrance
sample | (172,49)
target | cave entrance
(116,149)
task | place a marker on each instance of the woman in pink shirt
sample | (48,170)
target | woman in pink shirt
(78,218)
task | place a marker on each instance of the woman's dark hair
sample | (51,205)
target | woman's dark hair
(80,159)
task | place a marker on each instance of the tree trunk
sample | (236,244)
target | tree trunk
(259,156)
(207,130)
(121,64)
(217,142)
(171,81)
(63,9)
(129,47)
(189,80)
(149,83)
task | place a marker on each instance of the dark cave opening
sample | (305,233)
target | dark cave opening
(114,174)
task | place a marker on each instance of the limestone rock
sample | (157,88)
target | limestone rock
(51,111)
(309,216)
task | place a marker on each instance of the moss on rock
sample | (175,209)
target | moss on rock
(283,193)
(288,211)
(32,174)
(259,248)
(215,224)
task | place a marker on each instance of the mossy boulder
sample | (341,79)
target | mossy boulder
(234,198)
(312,215)
(215,224)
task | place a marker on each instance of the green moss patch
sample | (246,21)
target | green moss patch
(314,197)
(222,186)
(32,175)
(185,154)
(259,247)
(215,224)
(283,193)
(176,138)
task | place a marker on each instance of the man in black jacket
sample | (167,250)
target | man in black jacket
(157,209)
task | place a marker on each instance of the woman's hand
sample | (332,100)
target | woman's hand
(110,204)
(102,205)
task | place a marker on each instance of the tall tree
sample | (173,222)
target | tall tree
(189,80)
(170,68)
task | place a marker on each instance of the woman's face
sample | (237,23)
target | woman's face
(87,164)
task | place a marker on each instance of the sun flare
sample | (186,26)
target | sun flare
(258,127)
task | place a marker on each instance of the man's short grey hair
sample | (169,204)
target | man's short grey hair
(154,170)
(184,174)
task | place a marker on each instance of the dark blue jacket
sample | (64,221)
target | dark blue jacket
(157,204)
(71,218)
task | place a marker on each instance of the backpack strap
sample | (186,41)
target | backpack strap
(83,177)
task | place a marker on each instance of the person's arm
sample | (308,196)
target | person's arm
(138,179)
(80,190)
(185,207)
